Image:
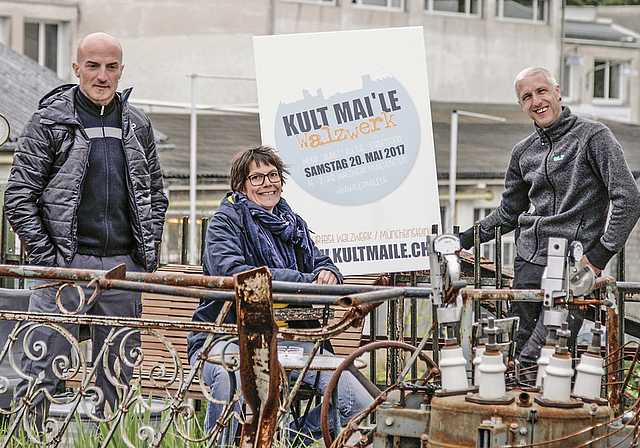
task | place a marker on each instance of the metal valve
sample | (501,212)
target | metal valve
(563,335)
(445,271)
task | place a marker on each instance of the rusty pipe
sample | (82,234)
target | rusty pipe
(613,344)
(209,295)
(119,272)
(116,321)
(372,296)
(195,280)
(285,292)
(503,294)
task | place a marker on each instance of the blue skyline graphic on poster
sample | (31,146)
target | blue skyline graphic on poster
(351,148)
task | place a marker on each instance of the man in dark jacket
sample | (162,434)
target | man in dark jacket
(86,191)
(564,180)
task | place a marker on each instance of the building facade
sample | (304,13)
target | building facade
(600,76)
(474,50)
(44,30)
(474,47)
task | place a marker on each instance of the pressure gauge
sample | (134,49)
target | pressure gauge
(4,129)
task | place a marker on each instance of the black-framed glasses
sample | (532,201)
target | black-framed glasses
(258,179)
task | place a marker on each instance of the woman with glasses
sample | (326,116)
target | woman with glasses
(254,226)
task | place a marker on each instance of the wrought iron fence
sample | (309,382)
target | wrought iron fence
(175,386)
(170,380)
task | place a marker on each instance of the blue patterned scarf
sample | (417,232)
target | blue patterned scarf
(274,238)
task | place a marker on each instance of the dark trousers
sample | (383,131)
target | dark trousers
(49,347)
(532,333)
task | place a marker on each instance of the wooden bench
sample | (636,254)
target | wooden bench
(180,309)
(174,308)
(348,341)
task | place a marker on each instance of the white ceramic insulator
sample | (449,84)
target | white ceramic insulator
(589,376)
(492,381)
(557,383)
(479,350)
(543,361)
(453,369)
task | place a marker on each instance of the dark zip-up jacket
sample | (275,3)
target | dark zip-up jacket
(560,182)
(103,216)
(48,174)
(228,253)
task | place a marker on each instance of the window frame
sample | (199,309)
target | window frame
(567,84)
(42,36)
(609,64)
(5,30)
(388,7)
(314,2)
(429,9)
(535,20)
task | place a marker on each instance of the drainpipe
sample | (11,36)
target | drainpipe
(272,17)
(562,6)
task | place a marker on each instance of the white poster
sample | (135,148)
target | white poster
(349,114)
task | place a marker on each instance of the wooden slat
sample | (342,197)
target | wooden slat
(180,309)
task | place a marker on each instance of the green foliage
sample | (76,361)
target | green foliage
(634,380)
(89,434)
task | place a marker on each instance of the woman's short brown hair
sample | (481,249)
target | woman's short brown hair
(261,155)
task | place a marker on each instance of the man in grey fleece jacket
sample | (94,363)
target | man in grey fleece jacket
(564,180)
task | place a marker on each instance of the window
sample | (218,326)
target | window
(488,250)
(174,241)
(394,5)
(466,7)
(607,80)
(41,43)
(5,31)
(322,2)
(529,10)
(571,81)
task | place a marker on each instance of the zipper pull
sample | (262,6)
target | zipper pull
(102,111)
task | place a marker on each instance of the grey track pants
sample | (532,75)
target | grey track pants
(107,303)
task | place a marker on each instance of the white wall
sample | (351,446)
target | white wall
(469,59)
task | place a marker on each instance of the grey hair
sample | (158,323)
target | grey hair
(532,71)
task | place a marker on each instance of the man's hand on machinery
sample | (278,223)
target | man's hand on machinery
(586,261)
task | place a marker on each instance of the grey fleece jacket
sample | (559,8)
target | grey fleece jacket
(560,182)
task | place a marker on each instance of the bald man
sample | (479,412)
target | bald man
(86,191)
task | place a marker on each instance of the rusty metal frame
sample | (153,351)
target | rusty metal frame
(179,412)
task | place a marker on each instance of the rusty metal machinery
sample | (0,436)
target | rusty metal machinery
(520,420)
(505,409)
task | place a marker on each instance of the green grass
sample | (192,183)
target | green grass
(90,435)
